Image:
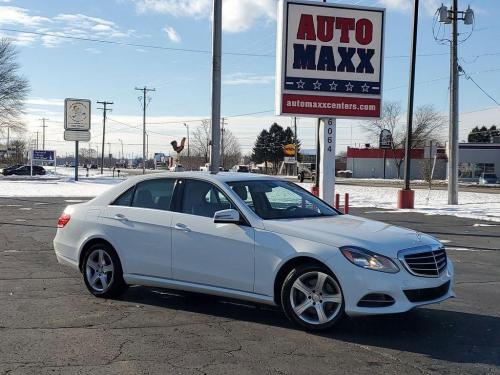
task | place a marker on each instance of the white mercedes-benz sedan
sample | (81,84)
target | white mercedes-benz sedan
(250,237)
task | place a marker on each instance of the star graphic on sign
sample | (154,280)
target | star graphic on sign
(317,85)
(349,86)
(365,87)
(333,86)
(300,84)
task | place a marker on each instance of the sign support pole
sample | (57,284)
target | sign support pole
(406,196)
(31,164)
(76,160)
(327,156)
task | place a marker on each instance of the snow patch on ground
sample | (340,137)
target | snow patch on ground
(479,206)
(60,188)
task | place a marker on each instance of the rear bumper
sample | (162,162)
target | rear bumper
(65,253)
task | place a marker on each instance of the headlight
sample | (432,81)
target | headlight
(368,259)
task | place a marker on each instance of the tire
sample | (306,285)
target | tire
(301,177)
(305,305)
(103,280)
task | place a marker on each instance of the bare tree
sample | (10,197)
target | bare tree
(200,144)
(232,149)
(13,90)
(427,124)
(200,140)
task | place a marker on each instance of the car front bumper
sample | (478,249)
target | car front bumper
(357,283)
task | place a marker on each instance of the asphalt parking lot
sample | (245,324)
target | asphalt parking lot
(50,324)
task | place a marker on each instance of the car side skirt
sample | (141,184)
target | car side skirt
(194,287)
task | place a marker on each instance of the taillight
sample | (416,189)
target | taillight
(63,220)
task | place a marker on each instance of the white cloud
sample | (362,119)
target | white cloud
(237,15)
(406,5)
(196,8)
(19,16)
(241,15)
(45,102)
(93,50)
(77,25)
(172,34)
(247,79)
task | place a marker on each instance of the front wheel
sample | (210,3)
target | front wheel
(312,298)
(102,271)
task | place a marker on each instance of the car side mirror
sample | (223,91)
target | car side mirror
(227,216)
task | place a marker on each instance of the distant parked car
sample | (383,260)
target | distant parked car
(306,170)
(6,170)
(176,168)
(241,169)
(25,170)
(488,179)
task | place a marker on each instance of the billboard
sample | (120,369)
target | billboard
(45,155)
(329,60)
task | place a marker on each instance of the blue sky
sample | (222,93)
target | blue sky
(59,68)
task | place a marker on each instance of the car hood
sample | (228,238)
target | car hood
(347,230)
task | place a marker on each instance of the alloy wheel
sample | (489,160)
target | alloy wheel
(316,298)
(99,270)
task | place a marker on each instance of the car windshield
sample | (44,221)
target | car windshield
(275,199)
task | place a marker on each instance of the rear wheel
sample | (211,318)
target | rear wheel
(311,297)
(102,271)
(301,177)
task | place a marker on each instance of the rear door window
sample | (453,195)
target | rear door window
(154,194)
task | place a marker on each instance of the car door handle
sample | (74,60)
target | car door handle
(182,227)
(120,217)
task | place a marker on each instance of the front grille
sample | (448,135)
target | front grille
(376,300)
(427,294)
(428,264)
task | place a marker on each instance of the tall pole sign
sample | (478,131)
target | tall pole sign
(329,65)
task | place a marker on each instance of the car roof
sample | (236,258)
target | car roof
(115,191)
(220,176)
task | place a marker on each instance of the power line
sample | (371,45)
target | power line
(103,41)
(203,51)
(467,76)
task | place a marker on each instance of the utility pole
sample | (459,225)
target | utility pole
(187,130)
(104,111)
(453,127)
(144,90)
(216,85)
(222,149)
(37,139)
(43,131)
(8,139)
(447,16)
(121,142)
(109,154)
